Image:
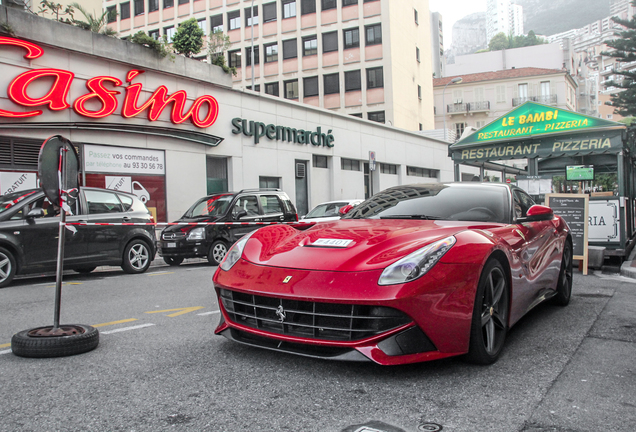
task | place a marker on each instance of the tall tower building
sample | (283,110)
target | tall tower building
(437,45)
(503,16)
(368,58)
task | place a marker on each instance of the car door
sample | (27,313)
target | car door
(39,235)
(103,241)
(538,249)
(245,209)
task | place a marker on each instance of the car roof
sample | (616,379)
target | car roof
(339,201)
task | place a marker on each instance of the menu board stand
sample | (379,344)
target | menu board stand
(574,209)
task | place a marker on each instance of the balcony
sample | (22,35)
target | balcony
(545,99)
(464,108)
(457,108)
(479,106)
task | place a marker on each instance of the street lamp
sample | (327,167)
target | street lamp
(455,80)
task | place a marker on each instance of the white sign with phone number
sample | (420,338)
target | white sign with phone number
(123,160)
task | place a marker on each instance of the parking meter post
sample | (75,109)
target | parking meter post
(60,241)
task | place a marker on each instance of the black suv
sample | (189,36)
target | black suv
(213,241)
(29,226)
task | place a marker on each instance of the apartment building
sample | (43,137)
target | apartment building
(503,16)
(483,97)
(367,58)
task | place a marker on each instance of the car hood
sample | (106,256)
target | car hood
(370,243)
(185,220)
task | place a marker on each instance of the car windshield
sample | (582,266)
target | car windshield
(325,210)
(9,200)
(216,205)
(432,202)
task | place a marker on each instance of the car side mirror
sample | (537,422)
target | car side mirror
(537,213)
(239,214)
(345,209)
(36,212)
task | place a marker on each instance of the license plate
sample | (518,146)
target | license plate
(170,245)
(340,243)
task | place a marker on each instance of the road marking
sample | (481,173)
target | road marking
(6,351)
(127,328)
(201,314)
(183,311)
(65,283)
(5,345)
(159,273)
(110,323)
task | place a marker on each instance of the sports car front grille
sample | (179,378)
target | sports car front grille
(326,321)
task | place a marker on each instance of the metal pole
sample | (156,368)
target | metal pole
(252,53)
(444,109)
(60,243)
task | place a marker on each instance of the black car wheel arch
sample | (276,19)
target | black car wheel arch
(8,267)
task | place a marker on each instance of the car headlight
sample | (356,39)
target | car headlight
(416,265)
(234,254)
(196,234)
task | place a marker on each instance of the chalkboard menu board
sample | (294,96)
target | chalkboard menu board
(573,208)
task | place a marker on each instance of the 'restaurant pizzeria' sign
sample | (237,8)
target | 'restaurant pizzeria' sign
(203,112)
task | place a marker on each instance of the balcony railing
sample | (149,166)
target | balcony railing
(457,108)
(545,99)
(479,106)
(468,107)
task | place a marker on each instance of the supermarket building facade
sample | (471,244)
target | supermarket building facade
(173,130)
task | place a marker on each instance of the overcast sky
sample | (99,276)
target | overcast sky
(453,10)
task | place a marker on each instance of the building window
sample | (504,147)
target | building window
(417,54)
(307,7)
(310,45)
(417,21)
(124,10)
(420,126)
(181,2)
(168,4)
(349,164)
(377,116)
(329,42)
(248,56)
(291,89)
(257,88)
(523,91)
(359,115)
(501,93)
(289,8)
(353,81)
(216,23)
(421,172)
(234,58)
(169,33)
(310,86)
(480,124)
(271,88)
(154,34)
(269,12)
(332,83)
(203,25)
(139,7)
(319,161)
(328,4)
(269,182)
(375,78)
(234,20)
(271,53)
(153,5)
(388,168)
(111,14)
(351,38)
(373,34)
(459,129)
(419,92)
(349,2)
(290,49)
(248,16)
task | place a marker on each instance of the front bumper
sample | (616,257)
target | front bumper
(181,249)
(439,306)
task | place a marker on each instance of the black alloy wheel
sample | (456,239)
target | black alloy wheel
(217,252)
(490,315)
(7,267)
(137,257)
(173,261)
(564,286)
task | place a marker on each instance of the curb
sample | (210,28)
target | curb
(628,268)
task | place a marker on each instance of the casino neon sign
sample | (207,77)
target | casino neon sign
(203,112)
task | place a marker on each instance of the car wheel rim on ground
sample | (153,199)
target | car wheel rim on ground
(138,256)
(494,311)
(5,267)
(218,252)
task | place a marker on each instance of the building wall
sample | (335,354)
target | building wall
(88,55)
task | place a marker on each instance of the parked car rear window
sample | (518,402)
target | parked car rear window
(270,204)
(102,202)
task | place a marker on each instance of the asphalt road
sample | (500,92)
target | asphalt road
(160,367)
